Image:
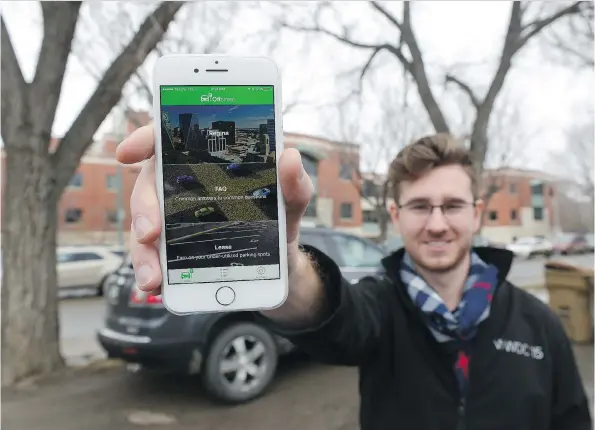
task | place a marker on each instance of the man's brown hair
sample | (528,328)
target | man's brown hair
(425,154)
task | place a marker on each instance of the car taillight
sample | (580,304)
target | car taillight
(139,297)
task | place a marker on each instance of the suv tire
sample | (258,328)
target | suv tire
(244,353)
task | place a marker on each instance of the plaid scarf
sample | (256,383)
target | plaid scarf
(461,324)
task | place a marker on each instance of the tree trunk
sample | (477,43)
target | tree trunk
(382,225)
(35,179)
(30,329)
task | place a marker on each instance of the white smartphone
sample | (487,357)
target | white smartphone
(218,133)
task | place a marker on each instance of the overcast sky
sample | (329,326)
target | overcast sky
(449,33)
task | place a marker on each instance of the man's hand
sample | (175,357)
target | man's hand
(296,187)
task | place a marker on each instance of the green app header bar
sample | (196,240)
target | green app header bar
(212,95)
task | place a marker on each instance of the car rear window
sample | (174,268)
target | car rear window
(319,241)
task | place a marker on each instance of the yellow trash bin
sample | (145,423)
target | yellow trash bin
(570,291)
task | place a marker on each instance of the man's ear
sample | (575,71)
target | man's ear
(393,210)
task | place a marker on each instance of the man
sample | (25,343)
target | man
(442,340)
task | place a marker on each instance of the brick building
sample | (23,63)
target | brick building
(88,209)
(331,165)
(525,204)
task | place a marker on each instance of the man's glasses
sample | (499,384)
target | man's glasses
(423,210)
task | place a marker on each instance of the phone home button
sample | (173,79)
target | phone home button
(225,296)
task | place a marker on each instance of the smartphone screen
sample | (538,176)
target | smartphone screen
(219,183)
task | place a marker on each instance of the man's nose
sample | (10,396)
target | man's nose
(437,222)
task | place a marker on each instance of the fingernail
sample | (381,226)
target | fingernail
(302,173)
(143,274)
(142,226)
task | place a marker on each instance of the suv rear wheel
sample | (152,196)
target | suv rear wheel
(240,364)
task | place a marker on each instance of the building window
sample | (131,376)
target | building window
(538,214)
(370,189)
(513,214)
(76,181)
(512,188)
(73,215)
(311,208)
(346,172)
(346,210)
(111,182)
(537,189)
(311,168)
(111,216)
(310,165)
(370,216)
(493,215)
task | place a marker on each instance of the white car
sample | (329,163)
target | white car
(86,266)
(527,247)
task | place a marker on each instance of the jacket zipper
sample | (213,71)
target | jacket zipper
(462,412)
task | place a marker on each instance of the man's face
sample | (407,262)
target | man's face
(437,241)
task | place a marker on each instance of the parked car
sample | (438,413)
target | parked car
(567,244)
(527,247)
(392,243)
(479,241)
(262,192)
(138,329)
(86,266)
(186,179)
(113,276)
(590,246)
(204,211)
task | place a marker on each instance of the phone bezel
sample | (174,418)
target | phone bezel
(179,70)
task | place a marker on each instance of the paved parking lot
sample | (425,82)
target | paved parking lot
(305,395)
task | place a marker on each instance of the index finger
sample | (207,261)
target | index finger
(139,146)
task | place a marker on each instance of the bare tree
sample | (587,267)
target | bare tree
(404,47)
(572,40)
(187,35)
(36,176)
(398,123)
(579,155)
(510,142)
(573,166)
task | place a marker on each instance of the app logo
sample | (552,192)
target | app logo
(216,99)
(187,274)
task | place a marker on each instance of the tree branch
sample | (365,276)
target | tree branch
(369,62)
(59,23)
(533,28)
(386,14)
(14,90)
(338,37)
(416,67)
(466,88)
(513,42)
(109,89)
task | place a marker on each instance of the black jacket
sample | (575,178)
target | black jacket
(523,375)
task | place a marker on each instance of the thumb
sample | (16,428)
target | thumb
(297,190)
